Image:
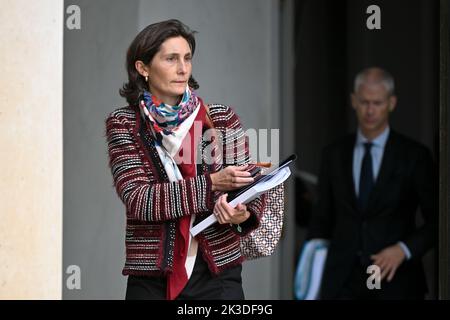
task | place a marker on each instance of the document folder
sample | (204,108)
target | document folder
(270,179)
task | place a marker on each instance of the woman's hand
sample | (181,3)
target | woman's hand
(226,214)
(230,178)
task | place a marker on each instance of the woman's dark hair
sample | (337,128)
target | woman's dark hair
(144,47)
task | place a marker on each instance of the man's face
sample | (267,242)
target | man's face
(372,104)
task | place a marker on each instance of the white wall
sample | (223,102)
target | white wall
(31,55)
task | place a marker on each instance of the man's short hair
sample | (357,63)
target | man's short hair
(375,75)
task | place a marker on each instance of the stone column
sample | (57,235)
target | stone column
(31,55)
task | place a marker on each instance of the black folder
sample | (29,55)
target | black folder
(262,177)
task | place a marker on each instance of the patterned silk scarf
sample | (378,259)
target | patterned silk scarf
(170,125)
(165,118)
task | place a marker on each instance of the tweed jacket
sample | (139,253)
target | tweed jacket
(153,203)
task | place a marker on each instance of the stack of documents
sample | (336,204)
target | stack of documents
(264,183)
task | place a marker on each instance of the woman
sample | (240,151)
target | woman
(153,152)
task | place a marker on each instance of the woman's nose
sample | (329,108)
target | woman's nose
(182,67)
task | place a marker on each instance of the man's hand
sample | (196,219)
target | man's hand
(226,214)
(389,259)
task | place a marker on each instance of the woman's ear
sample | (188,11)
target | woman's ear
(141,68)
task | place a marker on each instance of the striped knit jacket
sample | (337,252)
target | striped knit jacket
(153,203)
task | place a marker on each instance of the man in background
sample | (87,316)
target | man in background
(370,187)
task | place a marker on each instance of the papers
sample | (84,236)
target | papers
(259,179)
(264,183)
(308,277)
(316,276)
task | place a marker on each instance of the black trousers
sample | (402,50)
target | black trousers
(201,286)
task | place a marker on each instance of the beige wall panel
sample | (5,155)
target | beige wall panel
(31,50)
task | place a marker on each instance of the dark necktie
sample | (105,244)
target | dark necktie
(366,177)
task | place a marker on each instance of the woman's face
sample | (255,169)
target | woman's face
(170,69)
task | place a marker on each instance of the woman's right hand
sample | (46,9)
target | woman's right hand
(231,178)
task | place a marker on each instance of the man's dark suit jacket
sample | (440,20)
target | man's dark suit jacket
(406,180)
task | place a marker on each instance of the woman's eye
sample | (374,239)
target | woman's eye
(170,59)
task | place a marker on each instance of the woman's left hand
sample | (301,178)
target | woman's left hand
(226,214)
